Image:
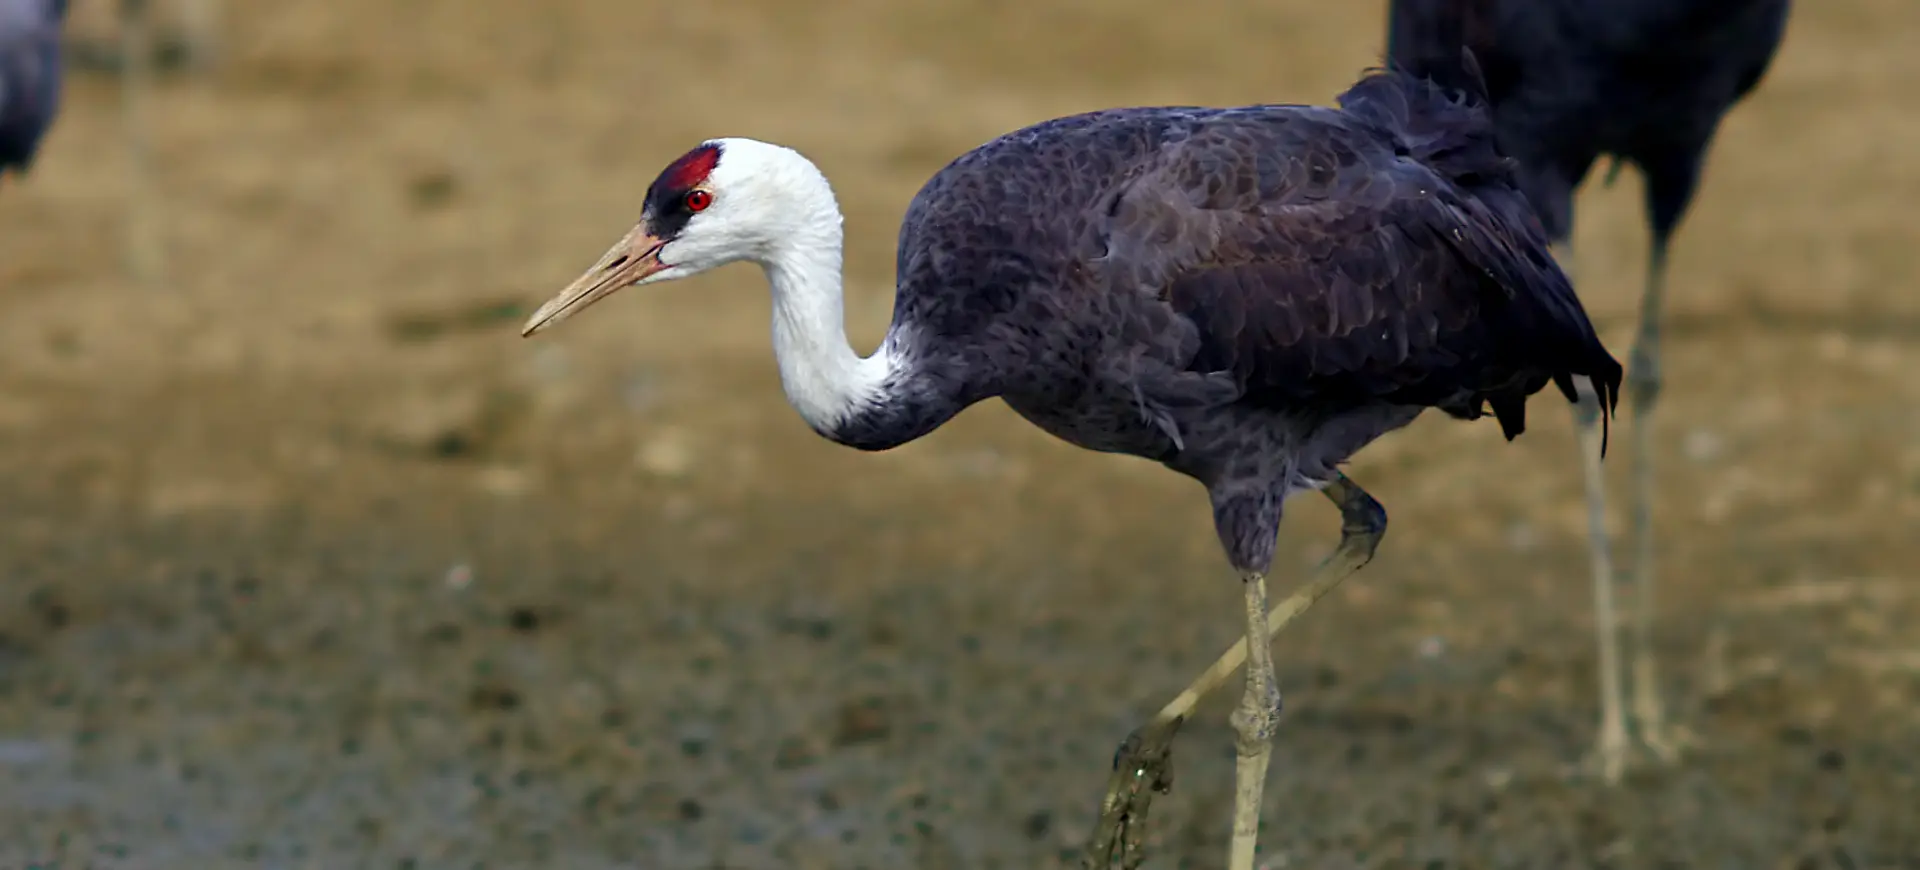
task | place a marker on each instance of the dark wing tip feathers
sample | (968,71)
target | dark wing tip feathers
(1607,385)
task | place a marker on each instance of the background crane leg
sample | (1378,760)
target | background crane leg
(144,255)
(1643,389)
(1610,750)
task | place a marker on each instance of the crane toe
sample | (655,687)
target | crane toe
(1666,741)
(1142,768)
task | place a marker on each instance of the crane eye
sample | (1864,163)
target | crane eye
(698,200)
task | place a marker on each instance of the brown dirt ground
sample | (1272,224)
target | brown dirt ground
(311,561)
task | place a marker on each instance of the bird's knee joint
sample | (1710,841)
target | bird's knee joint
(1363,518)
(1257,721)
(1643,354)
(1643,396)
(1586,409)
(1643,380)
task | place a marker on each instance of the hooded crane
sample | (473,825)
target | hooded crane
(29,78)
(1645,82)
(1247,296)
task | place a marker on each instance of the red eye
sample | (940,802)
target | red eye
(698,200)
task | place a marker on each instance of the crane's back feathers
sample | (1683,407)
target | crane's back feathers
(1285,258)
(1332,259)
(1248,293)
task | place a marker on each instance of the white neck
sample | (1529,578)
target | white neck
(824,378)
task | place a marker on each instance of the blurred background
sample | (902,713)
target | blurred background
(310,561)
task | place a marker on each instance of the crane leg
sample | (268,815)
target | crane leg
(201,25)
(1254,723)
(1610,753)
(1142,765)
(143,243)
(1643,389)
(1610,750)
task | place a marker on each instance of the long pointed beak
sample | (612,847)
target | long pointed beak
(628,262)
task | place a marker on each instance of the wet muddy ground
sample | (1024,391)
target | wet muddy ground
(311,561)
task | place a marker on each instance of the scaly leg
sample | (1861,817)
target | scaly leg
(1643,389)
(1610,752)
(1254,721)
(1142,765)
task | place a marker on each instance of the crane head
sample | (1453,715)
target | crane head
(723,201)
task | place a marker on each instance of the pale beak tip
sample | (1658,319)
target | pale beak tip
(618,267)
(540,320)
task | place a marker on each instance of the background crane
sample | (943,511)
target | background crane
(1645,82)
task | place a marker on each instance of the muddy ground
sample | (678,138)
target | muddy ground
(311,561)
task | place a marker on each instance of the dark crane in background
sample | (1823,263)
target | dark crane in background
(1644,82)
(1248,296)
(30,73)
